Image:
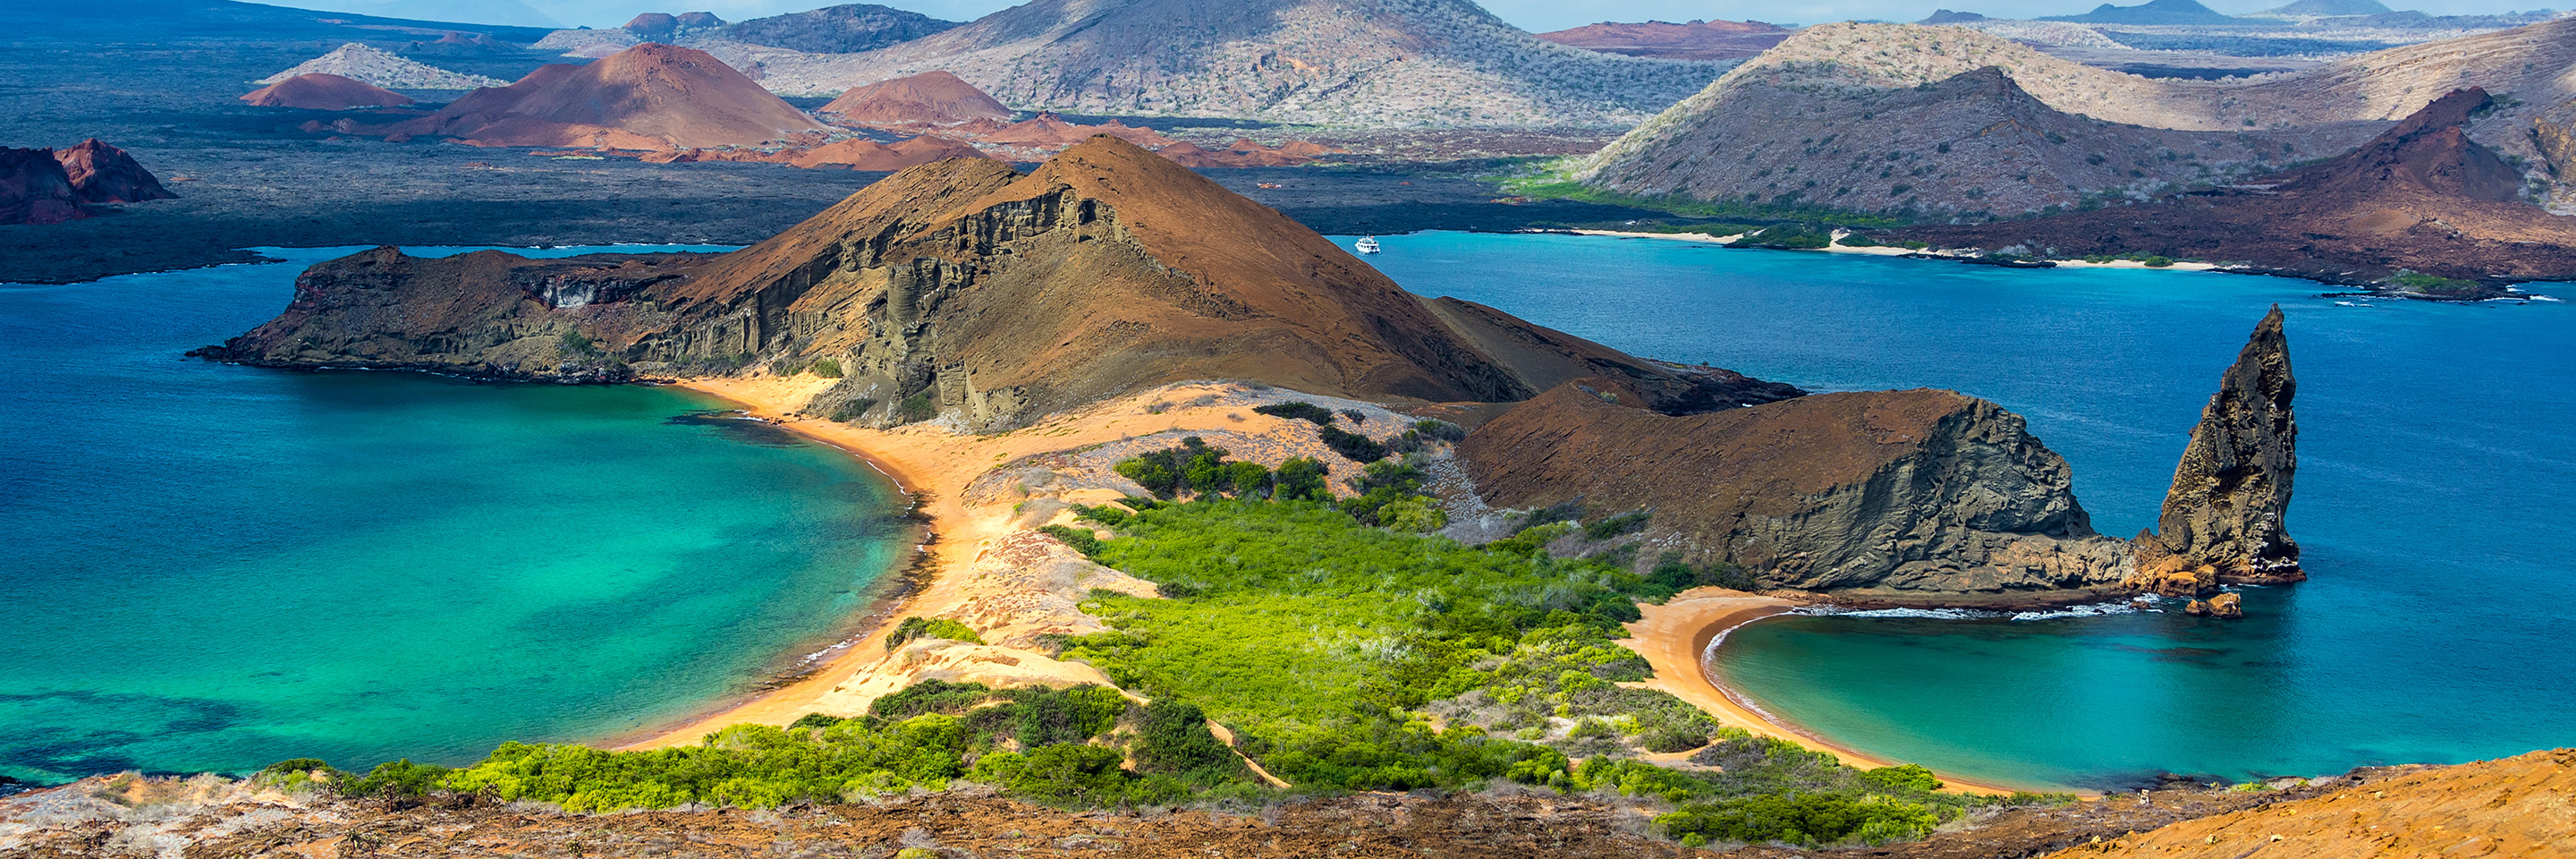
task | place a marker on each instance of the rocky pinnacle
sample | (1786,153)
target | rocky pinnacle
(2222,521)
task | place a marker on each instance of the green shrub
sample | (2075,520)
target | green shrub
(829,368)
(1786,237)
(1301,479)
(1079,539)
(851,410)
(1857,240)
(1298,411)
(2432,284)
(1904,777)
(1351,445)
(814,720)
(750,766)
(1613,526)
(1174,740)
(395,779)
(575,343)
(1103,514)
(1065,774)
(1196,467)
(924,627)
(299,775)
(1532,541)
(1439,430)
(916,408)
(1814,819)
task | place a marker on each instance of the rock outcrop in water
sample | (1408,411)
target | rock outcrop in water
(966,290)
(2223,518)
(1923,496)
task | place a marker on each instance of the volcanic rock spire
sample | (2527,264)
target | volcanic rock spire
(2222,520)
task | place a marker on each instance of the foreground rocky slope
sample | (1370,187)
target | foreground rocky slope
(2223,520)
(2423,197)
(2516,806)
(1404,62)
(2513,807)
(1904,496)
(966,290)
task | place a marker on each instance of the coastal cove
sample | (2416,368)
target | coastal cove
(2428,632)
(214,567)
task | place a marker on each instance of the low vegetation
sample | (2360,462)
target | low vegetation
(1345,648)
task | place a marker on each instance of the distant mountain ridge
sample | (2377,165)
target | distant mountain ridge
(1818,106)
(1357,62)
(844,29)
(1695,40)
(2330,8)
(2152,12)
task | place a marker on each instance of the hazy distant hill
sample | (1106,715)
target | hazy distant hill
(2330,8)
(2153,12)
(1361,62)
(844,29)
(1696,40)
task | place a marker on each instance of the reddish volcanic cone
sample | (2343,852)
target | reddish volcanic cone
(320,91)
(34,190)
(929,98)
(100,173)
(649,96)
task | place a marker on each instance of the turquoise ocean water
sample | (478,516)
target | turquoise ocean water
(208,567)
(2434,501)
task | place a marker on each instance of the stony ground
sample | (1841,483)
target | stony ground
(204,818)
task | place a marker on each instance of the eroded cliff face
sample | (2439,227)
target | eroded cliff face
(1919,496)
(2223,519)
(966,291)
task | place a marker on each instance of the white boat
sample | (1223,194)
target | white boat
(1367,245)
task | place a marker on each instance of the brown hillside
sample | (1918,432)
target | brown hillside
(1696,40)
(1901,496)
(101,173)
(34,190)
(2422,197)
(322,91)
(968,289)
(929,98)
(2511,807)
(649,96)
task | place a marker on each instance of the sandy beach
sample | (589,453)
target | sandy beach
(941,467)
(1673,636)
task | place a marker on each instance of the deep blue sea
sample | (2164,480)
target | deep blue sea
(210,567)
(2434,502)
